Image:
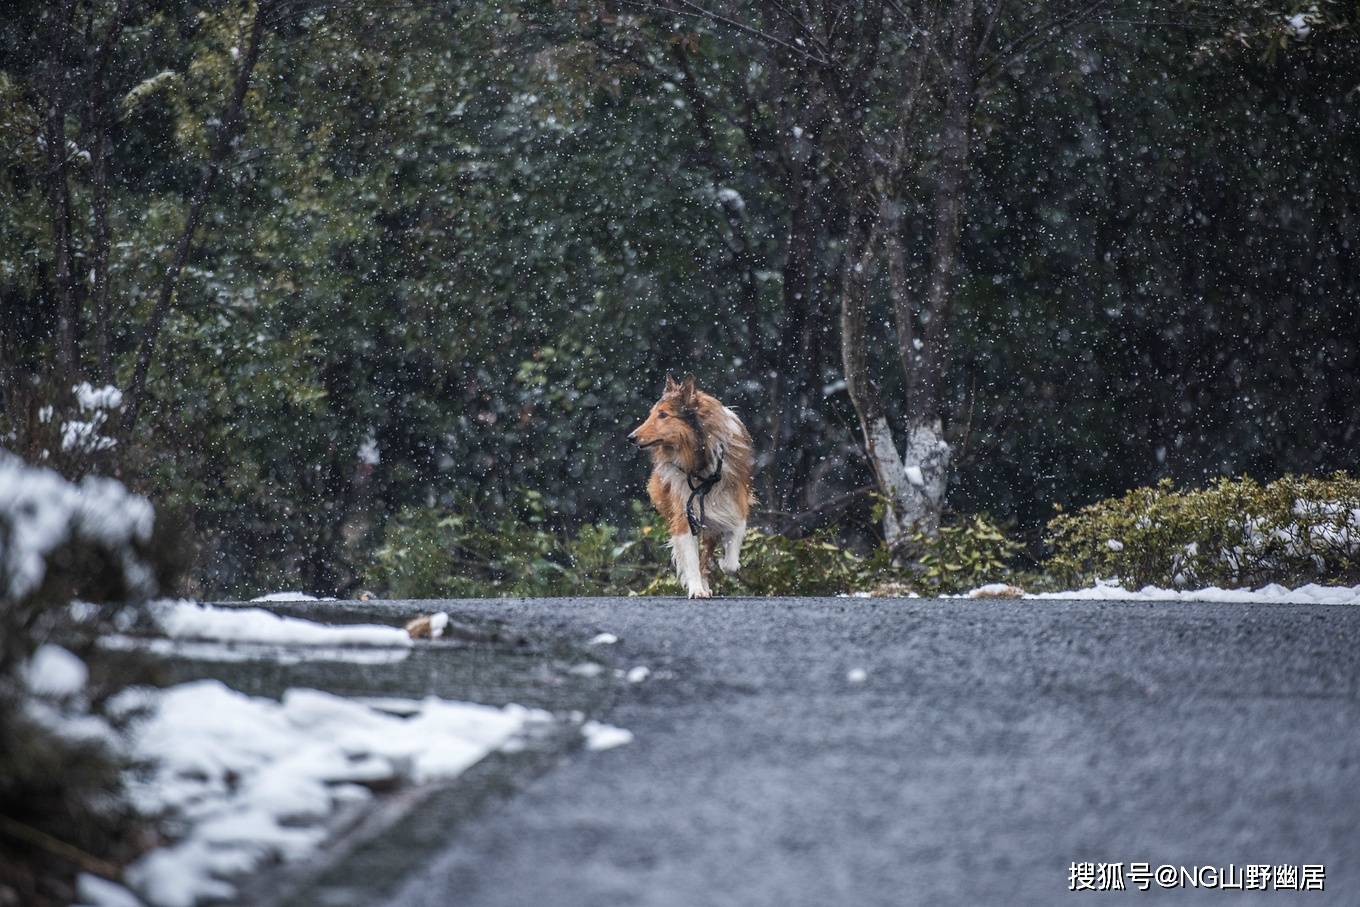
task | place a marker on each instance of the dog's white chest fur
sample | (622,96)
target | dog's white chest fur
(721,515)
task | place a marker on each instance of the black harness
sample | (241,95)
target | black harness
(699,488)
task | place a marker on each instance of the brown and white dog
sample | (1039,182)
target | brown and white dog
(701,479)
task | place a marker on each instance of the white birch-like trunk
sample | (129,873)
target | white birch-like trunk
(926,467)
(892,480)
(913,482)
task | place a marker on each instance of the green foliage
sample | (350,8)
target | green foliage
(1234,533)
(815,565)
(437,553)
(960,557)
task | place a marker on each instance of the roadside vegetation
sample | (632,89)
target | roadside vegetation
(433,553)
(1234,533)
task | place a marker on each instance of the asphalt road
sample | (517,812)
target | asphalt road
(990,745)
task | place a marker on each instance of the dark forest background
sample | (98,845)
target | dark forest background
(348,258)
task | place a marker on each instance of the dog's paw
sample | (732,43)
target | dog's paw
(700,592)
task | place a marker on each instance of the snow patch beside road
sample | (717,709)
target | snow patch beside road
(600,736)
(250,780)
(1311,594)
(240,781)
(190,620)
(290,597)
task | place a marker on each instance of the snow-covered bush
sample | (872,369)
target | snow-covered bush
(1235,533)
(61,540)
(68,429)
(60,782)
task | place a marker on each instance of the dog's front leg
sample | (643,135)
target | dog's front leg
(685,552)
(731,559)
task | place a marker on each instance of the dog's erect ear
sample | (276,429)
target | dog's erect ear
(672,386)
(690,387)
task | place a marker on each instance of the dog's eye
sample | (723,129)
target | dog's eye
(663,415)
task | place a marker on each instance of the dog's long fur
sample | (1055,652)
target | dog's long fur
(686,433)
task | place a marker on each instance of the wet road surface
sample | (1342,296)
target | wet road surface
(860,751)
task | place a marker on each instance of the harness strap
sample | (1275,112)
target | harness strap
(700,489)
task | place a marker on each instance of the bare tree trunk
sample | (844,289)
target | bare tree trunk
(100,267)
(879,446)
(99,289)
(914,482)
(59,195)
(785,361)
(226,135)
(926,356)
(899,283)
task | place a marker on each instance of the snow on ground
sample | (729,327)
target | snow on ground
(190,620)
(241,781)
(211,650)
(1311,594)
(249,780)
(997,590)
(601,736)
(290,597)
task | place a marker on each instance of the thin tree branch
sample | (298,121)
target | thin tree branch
(797,19)
(1040,35)
(30,835)
(695,11)
(992,18)
(803,520)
